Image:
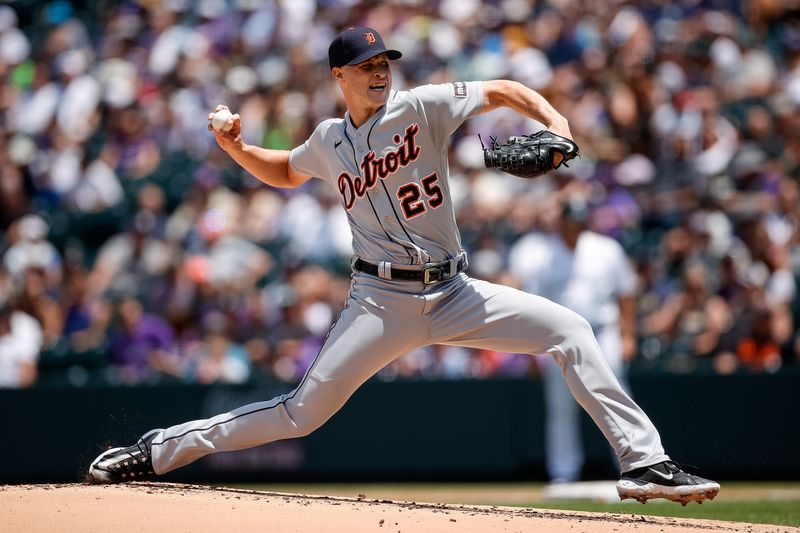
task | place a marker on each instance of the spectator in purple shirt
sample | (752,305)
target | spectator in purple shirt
(142,344)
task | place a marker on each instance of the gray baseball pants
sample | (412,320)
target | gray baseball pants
(384,319)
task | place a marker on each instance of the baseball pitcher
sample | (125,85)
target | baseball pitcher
(387,160)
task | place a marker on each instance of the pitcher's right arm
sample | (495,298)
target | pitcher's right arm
(269,166)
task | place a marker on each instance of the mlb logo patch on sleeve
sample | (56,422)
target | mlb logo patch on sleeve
(459,89)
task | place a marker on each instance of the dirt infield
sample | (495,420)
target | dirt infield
(151,507)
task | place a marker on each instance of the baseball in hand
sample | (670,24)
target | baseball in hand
(220,120)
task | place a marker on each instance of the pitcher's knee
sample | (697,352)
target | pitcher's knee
(577,337)
(314,403)
(307,418)
(308,426)
(575,327)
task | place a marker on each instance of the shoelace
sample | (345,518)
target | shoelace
(675,467)
(142,445)
(672,466)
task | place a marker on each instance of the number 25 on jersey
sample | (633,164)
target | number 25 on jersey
(410,196)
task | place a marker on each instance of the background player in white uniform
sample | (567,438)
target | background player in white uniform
(387,158)
(590,274)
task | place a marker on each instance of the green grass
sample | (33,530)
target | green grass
(785,513)
(759,503)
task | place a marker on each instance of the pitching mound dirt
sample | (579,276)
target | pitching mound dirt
(151,507)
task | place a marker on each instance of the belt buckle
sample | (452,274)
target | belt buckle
(428,275)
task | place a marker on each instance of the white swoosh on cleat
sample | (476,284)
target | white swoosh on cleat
(668,477)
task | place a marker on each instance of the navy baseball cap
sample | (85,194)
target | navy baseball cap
(355,45)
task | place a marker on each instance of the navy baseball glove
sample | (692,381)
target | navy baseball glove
(529,156)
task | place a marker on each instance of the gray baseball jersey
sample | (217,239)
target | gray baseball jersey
(392,176)
(391,172)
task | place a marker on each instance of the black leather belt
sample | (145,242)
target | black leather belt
(430,273)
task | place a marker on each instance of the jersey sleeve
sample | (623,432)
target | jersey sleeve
(309,158)
(444,107)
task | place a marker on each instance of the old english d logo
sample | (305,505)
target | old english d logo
(370,37)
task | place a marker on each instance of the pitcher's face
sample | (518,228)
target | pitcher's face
(367,83)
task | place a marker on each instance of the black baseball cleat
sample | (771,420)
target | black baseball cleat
(665,480)
(119,465)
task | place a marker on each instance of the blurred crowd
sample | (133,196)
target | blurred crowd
(133,250)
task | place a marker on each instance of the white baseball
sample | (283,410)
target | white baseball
(220,120)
